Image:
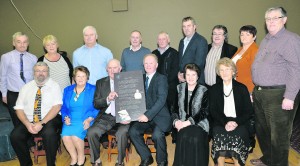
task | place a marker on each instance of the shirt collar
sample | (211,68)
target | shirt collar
(150,75)
(277,35)
(163,50)
(130,48)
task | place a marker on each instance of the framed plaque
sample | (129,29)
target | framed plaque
(130,103)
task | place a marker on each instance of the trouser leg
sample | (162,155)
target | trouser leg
(160,144)
(18,138)
(122,140)
(11,102)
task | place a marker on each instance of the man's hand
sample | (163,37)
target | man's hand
(181,77)
(143,118)
(287,104)
(30,128)
(125,122)
(112,96)
(4,99)
(37,127)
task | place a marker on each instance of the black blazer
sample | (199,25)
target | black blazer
(228,51)
(101,93)
(157,110)
(195,52)
(243,105)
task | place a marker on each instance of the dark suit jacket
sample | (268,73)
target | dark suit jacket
(195,52)
(157,110)
(101,93)
(88,109)
(228,51)
(243,105)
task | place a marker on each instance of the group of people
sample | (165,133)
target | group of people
(201,92)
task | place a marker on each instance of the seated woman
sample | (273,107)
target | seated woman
(78,113)
(231,110)
(192,147)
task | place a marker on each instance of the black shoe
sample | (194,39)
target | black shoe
(164,163)
(83,162)
(147,161)
(73,164)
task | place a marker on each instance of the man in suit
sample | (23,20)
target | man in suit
(192,48)
(218,49)
(157,116)
(104,100)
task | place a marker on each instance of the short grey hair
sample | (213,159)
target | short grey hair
(280,9)
(41,64)
(89,27)
(226,62)
(17,34)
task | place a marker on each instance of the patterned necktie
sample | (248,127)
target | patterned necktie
(146,84)
(21,68)
(37,106)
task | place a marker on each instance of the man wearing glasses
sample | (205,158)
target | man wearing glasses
(276,74)
(37,108)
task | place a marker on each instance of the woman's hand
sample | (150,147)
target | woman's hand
(230,126)
(67,120)
(178,125)
(87,122)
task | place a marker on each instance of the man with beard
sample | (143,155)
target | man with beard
(37,108)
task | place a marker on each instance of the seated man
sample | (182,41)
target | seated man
(104,100)
(37,107)
(156,117)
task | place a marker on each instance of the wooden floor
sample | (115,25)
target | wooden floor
(134,160)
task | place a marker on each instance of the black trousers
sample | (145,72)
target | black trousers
(11,102)
(51,137)
(136,133)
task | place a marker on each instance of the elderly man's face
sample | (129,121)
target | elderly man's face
(41,74)
(112,68)
(21,43)
(90,37)
(162,41)
(135,39)
(218,36)
(275,21)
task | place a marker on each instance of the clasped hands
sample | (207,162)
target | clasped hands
(181,124)
(34,128)
(86,123)
(230,126)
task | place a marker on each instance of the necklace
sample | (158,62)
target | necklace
(77,94)
(228,94)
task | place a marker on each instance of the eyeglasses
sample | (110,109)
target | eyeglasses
(215,34)
(268,19)
(41,71)
(225,70)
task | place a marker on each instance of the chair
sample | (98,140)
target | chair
(148,140)
(112,145)
(39,148)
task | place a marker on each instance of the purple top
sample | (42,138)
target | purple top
(10,70)
(278,62)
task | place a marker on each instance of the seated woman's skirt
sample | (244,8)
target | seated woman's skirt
(234,143)
(192,147)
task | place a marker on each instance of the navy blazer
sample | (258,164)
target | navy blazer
(156,97)
(89,110)
(243,105)
(195,52)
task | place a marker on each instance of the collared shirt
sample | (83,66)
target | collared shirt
(186,42)
(150,76)
(277,62)
(95,59)
(131,48)
(112,107)
(161,51)
(229,105)
(51,96)
(210,66)
(10,70)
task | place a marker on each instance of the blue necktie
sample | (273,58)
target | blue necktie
(21,68)
(146,84)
